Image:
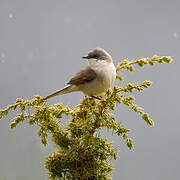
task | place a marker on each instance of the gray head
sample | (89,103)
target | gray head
(98,54)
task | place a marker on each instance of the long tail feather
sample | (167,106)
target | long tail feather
(65,90)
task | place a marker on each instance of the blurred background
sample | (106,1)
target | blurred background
(41,45)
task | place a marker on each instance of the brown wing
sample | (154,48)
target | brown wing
(85,75)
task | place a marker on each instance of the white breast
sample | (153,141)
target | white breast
(108,71)
(106,74)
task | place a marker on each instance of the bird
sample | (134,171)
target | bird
(93,80)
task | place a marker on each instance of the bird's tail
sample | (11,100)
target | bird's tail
(65,90)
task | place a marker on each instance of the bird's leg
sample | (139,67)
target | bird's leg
(93,97)
(88,97)
(96,97)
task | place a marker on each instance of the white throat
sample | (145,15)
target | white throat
(94,63)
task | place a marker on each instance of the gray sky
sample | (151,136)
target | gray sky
(41,45)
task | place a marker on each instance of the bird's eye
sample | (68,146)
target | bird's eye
(93,56)
(96,57)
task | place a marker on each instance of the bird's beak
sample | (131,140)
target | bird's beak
(85,57)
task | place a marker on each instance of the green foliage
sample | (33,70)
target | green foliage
(81,151)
